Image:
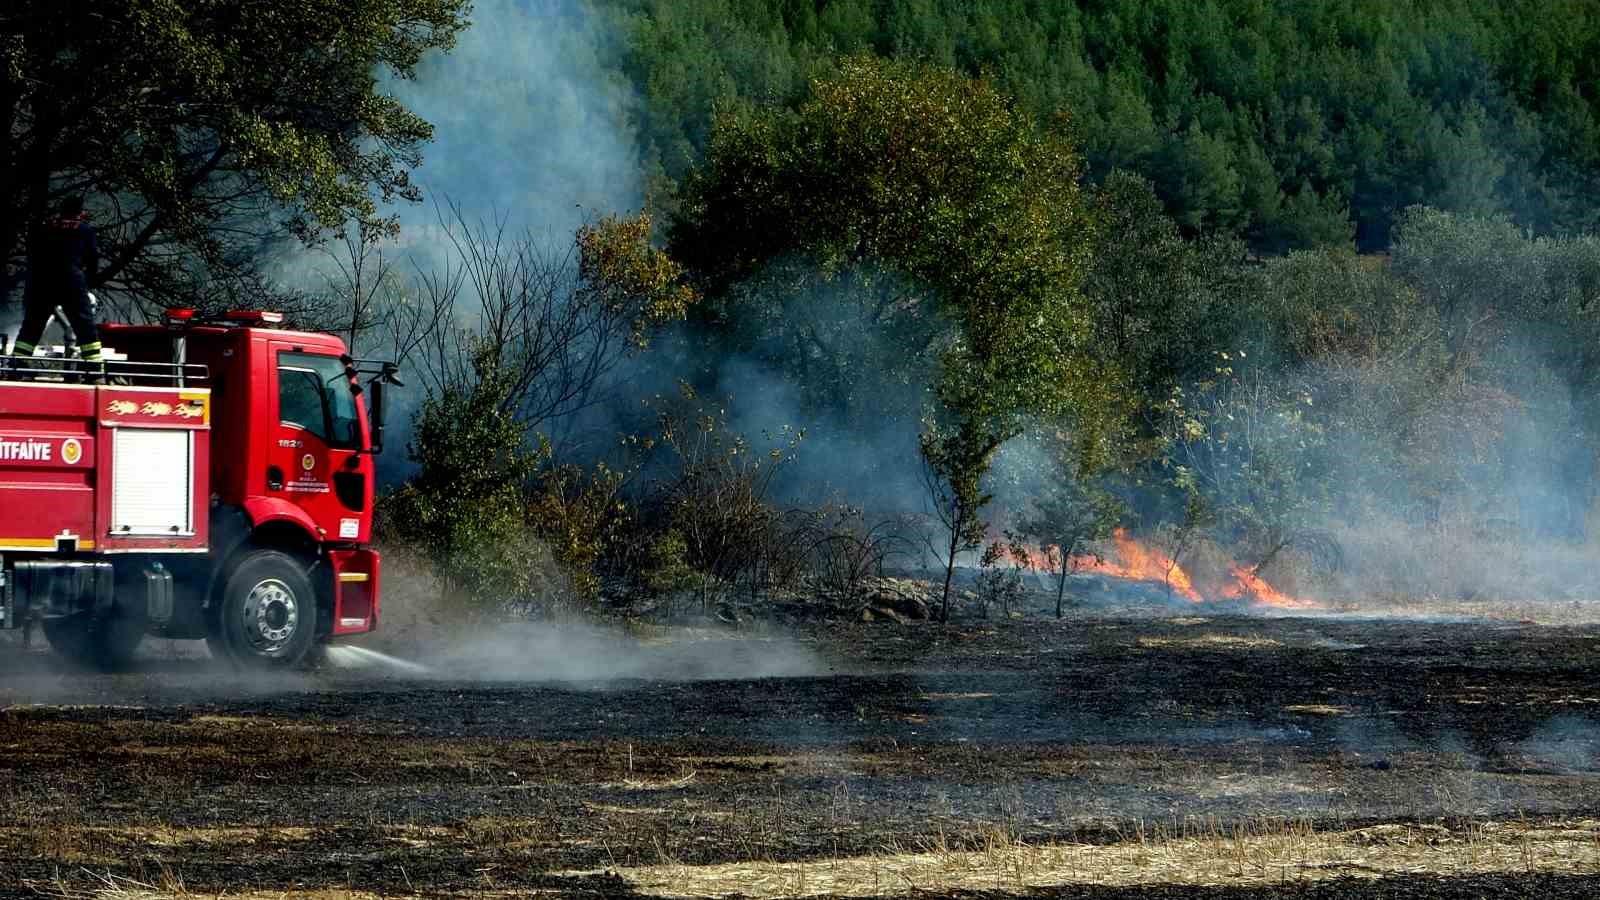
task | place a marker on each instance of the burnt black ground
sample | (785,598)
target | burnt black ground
(896,735)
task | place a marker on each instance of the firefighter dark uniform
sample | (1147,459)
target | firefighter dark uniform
(64,256)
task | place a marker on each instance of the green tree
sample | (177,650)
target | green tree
(1477,274)
(1073,512)
(485,503)
(941,181)
(201,129)
(1245,440)
(1159,303)
(954,462)
(465,506)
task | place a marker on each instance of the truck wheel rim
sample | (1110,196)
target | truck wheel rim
(270,615)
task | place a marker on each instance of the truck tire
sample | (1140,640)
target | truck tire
(105,644)
(266,616)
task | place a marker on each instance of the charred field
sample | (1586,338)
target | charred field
(1199,756)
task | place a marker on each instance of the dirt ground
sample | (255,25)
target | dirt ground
(1197,757)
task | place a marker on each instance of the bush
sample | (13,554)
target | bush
(580,514)
(712,497)
(998,583)
(465,505)
(842,550)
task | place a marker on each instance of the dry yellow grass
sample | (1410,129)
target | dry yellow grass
(171,887)
(1231,856)
(1317,709)
(1200,854)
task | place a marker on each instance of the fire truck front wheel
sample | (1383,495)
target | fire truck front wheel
(267,614)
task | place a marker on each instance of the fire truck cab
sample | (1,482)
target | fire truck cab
(218,486)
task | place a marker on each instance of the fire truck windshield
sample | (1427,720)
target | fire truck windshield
(314,394)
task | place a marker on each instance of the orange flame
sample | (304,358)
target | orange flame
(1136,562)
(1249,585)
(1140,563)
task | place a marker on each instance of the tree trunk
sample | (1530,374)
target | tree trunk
(1061,585)
(949,571)
(944,603)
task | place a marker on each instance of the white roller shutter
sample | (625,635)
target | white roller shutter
(152,481)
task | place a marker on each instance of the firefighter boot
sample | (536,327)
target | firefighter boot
(91,363)
(19,362)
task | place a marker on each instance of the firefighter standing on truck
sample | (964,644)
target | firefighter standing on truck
(64,255)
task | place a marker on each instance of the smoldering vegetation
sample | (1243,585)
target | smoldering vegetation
(676,493)
(1456,742)
(1319,432)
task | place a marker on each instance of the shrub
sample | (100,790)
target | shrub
(712,494)
(579,513)
(998,583)
(465,505)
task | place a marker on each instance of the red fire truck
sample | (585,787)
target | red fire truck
(218,486)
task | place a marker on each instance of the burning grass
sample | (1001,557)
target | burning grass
(1127,558)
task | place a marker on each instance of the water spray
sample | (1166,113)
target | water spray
(349,656)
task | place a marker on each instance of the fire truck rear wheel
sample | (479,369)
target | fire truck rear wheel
(103,644)
(267,615)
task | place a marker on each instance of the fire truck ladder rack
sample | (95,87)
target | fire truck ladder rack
(68,370)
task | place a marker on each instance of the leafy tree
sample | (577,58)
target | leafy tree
(1062,524)
(465,506)
(200,130)
(941,181)
(1476,273)
(579,513)
(1159,303)
(953,466)
(1244,439)
(485,501)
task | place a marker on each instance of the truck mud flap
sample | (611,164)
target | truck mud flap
(355,590)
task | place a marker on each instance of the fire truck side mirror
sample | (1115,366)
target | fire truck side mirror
(375,394)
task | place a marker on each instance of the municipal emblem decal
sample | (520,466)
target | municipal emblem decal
(308,462)
(71,451)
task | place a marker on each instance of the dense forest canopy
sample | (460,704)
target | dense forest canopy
(1289,124)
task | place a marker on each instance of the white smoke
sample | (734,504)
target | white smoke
(530,120)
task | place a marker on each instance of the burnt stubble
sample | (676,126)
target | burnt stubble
(1091,732)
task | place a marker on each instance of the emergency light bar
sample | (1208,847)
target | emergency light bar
(183,316)
(253,317)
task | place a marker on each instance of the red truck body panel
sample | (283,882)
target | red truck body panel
(64,449)
(355,584)
(49,487)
